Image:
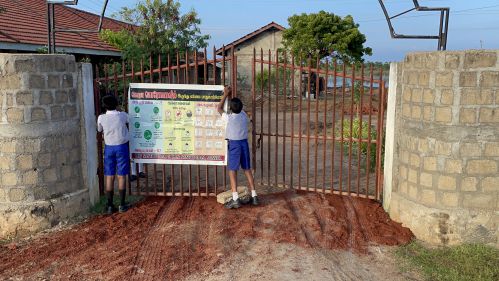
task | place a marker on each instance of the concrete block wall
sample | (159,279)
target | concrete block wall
(40,143)
(445,184)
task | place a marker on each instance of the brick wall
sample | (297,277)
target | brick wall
(40,147)
(446,162)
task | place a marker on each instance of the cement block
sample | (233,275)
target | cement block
(481,167)
(479,59)
(225,197)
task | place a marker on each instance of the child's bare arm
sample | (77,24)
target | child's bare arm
(227,93)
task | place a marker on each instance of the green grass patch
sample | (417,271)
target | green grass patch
(473,262)
(99,208)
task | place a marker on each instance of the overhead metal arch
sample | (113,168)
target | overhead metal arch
(52,30)
(442,31)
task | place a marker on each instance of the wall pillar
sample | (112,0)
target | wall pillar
(445,183)
(40,146)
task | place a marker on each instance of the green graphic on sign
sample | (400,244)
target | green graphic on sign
(137,125)
(155,110)
(147,135)
(137,109)
(156,125)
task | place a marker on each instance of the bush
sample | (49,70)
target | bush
(364,148)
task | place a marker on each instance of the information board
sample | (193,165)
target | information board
(176,124)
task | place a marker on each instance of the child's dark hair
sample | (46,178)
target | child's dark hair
(109,102)
(236,105)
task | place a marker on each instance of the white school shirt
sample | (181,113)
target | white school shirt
(113,124)
(236,125)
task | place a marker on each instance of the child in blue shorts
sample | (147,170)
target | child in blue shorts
(238,150)
(113,124)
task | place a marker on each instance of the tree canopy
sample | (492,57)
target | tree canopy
(324,34)
(161,29)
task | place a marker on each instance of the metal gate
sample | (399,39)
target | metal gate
(318,126)
(289,148)
(181,68)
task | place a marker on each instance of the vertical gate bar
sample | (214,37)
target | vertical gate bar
(342,141)
(350,140)
(196,62)
(380,131)
(142,70)
(170,80)
(284,120)
(205,80)
(187,81)
(224,169)
(292,174)
(155,176)
(115,80)
(151,72)
(214,83)
(253,112)
(308,119)
(233,69)
(136,165)
(261,115)
(324,132)
(333,121)
(106,79)
(178,68)
(169,64)
(276,164)
(317,76)
(300,132)
(163,166)
(100,152)
(160,70)
(268,120)
(236,85)
(178,82)
(360,114)
(369,140)
(196,74)
(124,80)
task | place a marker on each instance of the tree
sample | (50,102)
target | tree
(325,34)
(161,29)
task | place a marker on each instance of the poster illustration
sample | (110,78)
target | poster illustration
(176,124)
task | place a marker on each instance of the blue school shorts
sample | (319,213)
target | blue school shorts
(239,155)
(116,160)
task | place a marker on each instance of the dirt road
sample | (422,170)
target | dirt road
(291,236)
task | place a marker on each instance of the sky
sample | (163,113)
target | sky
(472,25)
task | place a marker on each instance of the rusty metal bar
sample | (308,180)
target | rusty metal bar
(106,77)
(300,123)
(308,119)
(276,152)
(292,174)
(99,137)
(115,80)
(253,113)
(269,122)
(155,179)
(359,143)
(380,132)
(350,141)
(214,83)
(261,116)
(160,72)
(333,122)
(324,133)
(369,129)
(284,120)
(316,123)
(224,169)
(342,142)
(205,80)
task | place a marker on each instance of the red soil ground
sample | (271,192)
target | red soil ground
(172,238)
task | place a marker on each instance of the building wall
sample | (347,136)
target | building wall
(270,40)
(40,144)
(445,183)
